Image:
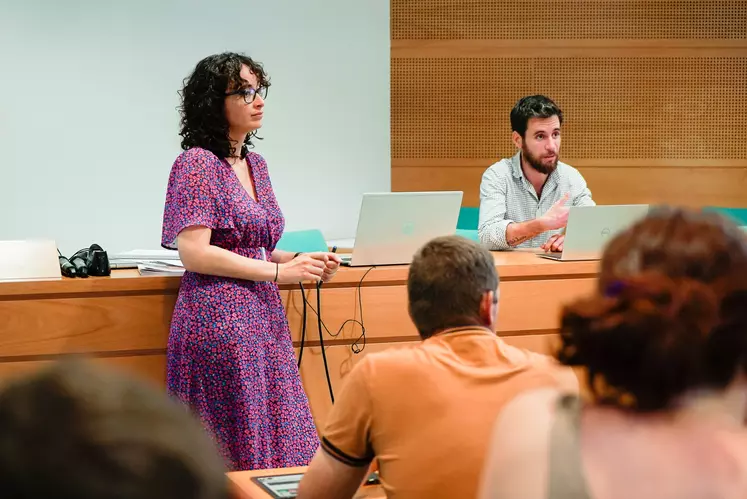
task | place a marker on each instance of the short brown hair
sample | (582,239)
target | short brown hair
(82,432)
(669,315)
(447,279)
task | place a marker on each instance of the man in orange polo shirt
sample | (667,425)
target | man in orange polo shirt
(425,413)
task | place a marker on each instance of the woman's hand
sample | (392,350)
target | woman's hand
(302,268)
(331,264)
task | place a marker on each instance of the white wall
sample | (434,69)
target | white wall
(89,126)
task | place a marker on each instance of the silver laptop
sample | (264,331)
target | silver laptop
(29,260)
(590,228)
(393,225)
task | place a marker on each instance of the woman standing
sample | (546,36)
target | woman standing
(230,355)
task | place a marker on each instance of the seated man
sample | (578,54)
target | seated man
(425,412)
(524,199)
(77,431)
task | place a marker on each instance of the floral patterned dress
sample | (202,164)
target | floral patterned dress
(230,355)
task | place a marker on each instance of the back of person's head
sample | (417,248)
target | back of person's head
(669,315)
(533,106)
(448,280)
(75,431)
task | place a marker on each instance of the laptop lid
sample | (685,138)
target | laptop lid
(590,228)
(393,225)
(31,260)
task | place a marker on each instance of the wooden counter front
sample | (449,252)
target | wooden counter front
(123,320)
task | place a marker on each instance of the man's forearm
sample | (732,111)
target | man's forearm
(328,478)
(518,232)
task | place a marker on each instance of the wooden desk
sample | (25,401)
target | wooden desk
(244,488)
(123,320)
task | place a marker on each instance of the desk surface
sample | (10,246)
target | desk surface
(245,488)
(512,266)
(123,321)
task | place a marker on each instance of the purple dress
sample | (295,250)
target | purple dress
(230,355)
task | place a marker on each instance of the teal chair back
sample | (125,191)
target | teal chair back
(306,241)
(738,215)
(468,218)
(469,234)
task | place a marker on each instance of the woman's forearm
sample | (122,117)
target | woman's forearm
(281,256)
(212,260)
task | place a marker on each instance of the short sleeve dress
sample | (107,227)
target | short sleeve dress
(230,355)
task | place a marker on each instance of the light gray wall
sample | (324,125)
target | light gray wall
(88,120)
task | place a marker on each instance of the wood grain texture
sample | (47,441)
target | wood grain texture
(650,92)
(93,324)
(151,368)
(123,321)
(694,187)
(564,19)
(526,308)
(615,107)
(568,48)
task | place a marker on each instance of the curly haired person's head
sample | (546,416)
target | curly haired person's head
(669,315)
(221,99)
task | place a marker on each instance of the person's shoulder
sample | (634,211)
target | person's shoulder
(545,367)
(377,370)
(734,440)
(199,154)
(256,158)
(516,464)
(540,403)
(524,355)
(501,168)
(395,360)
(498,173)
(196,158)
(525,421)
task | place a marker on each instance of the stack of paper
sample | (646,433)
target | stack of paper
(173,267)
(149,262)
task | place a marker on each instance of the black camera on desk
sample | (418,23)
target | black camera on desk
(88,261)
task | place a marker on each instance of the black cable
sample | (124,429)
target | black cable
(321,338)
(354,321)
(354,347)
(303,325)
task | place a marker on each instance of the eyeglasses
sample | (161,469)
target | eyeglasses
(249,93)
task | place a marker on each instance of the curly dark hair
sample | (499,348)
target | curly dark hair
(670,313)
(533,106)
(203,118)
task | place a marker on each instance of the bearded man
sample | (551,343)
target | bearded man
(524,200)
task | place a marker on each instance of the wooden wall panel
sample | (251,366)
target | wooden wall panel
(682,186)
(151,368)
(386,318)
(646,87)
(98,324)
(614,107)
(563,19)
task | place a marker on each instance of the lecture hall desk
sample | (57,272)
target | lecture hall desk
(244,488)
(123,320)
